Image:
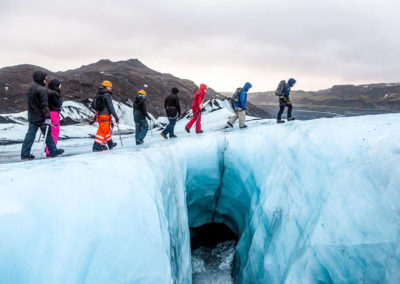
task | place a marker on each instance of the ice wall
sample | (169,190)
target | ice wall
(311,201)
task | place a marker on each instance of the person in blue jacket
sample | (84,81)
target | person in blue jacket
(284,101)
(240,107)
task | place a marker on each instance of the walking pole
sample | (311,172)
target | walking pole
(44,141)
(119,132)
(151,128)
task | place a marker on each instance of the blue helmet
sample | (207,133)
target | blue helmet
(291,82)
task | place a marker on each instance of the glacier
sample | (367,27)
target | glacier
(311,201)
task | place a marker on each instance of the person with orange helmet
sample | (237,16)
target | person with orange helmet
(102,104)
(197,107)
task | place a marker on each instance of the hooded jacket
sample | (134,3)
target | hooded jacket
(286,88)
(139,109)
(108,107)
(243,96)
(172,104)
(53,94)
(38,108)
(198,97)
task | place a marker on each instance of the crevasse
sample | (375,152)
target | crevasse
(310,201)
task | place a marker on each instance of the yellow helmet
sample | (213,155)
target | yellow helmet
(106,84)
(142,92)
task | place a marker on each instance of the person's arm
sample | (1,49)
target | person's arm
(111,107)
(44,103)
(178,106)
(201,99)
(144,110)
(243,99)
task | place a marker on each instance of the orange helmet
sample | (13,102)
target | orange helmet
(142,92)
(106,84)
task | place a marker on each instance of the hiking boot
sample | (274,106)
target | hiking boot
(163,136)
(98,148)
(57,153)
(291,118)
(187,129)
(280,121)
(29,158)
(139,142)
(173,136)
(111,145)
(244,126)
(198,132)
(230,124)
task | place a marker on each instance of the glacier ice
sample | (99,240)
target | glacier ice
(314,201)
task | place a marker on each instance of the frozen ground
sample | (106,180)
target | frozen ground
(311,201)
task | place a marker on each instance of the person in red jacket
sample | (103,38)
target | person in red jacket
(197,106)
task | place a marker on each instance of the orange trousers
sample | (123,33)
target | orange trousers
(103,134)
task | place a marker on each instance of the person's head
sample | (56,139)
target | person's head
(247,86)
(175,91)
(40,77)
(291,82)
(107,84)
(203,87)
(54,85)
(142,93)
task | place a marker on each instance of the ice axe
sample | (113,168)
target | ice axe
(119,133)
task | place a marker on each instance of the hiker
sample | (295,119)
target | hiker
(38,117)
(240,107)
(55,104)
(140,114)
(173,110)
(284,101)
(197,107)
(102,103)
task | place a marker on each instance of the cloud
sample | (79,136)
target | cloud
(222,43)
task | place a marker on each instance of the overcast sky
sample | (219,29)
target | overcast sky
(221,43)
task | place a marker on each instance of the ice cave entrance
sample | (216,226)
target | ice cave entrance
(213,250)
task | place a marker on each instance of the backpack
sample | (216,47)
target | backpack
(278,91)
(98,103)
(236,95)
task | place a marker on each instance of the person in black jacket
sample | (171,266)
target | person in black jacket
(103,135)
(55,104)
(173,110)
(38,117)
(139,115)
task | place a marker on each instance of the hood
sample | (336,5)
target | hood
(247,86)
(39,77)
(54,85)
(291,82)
(175,91)
(203,87)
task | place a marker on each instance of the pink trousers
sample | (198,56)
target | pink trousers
(55,127)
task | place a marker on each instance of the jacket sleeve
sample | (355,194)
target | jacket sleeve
(200,99)
(44,102)
(178,105)
(111,106)
(243,99)
(286,91)
(144,110)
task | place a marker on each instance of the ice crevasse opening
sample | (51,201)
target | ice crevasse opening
(309,201)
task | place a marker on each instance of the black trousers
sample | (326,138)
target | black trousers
(30,138)
(172,115)
(282,104)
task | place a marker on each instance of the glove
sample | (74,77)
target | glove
(47,121)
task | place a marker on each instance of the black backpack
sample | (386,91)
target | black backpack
(236,95)
(98,103)
(278,91)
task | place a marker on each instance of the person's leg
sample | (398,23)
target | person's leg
(193,120)
(281,109)
(289,110)
(55,128)
(167,129)
(144,127)
(172,122)
(242,118)
(198,123)
(234,117)
(137,131)
(100,141)
(49,139)
(29,139)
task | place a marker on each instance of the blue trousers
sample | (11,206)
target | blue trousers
(141,129)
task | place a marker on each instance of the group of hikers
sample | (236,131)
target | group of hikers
(44,106)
